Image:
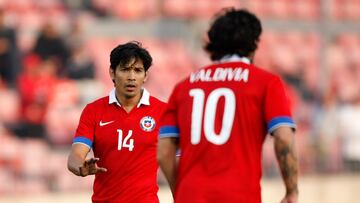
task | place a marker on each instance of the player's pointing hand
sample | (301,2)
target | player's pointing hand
(90,167)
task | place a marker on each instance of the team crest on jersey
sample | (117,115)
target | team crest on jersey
(147,123)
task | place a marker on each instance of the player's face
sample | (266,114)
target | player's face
(129,78)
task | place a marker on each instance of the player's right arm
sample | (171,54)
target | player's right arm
(169,141)
(77,162)
(79,165)
(166,156)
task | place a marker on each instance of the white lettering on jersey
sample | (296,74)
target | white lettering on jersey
(210,106)
(220,74)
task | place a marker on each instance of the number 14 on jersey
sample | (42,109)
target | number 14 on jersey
(126,142)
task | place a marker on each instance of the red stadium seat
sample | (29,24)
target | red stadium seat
(62,178)
(32,164)
(180,9)
(9,106)
(7,181)
(10,151)
(306,9)
(63,113)
(351,9)
(20,5)
(278,9)
(135,9)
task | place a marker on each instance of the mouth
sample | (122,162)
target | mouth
(130,87)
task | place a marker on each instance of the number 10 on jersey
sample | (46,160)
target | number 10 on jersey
(211,105)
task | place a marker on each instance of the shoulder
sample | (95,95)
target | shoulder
(263,77)
(263,72)
(157,102)
(98,103)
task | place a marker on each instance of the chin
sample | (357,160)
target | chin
(130,95)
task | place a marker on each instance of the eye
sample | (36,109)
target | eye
(139,70)
(124,69)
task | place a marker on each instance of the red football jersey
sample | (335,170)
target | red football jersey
(126,145)
(221,115)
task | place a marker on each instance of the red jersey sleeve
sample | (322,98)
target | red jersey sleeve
(277,106)
(168,122)
(85,130)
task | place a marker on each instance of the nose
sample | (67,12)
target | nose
(131,75)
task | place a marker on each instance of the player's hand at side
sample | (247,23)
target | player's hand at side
(90,167)
(290,198)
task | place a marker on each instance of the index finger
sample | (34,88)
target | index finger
(101,169)
(92,160)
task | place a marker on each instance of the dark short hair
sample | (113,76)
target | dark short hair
(123,53)
(233,32)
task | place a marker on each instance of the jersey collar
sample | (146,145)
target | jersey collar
(234,58)
(145,98)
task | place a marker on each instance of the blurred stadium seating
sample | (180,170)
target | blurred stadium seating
(313,44)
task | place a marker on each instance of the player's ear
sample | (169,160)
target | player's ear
(146,76)
(112,74)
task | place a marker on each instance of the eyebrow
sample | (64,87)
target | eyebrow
(134,67)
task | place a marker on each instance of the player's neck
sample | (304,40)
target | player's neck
(128,103)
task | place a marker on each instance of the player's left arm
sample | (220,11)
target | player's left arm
(166,156)
(284,144)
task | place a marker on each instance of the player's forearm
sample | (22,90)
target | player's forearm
(169,168)
(74,164)
(167,160)
(286,155)
(77,157)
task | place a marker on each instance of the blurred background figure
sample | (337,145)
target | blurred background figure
(35,84)
(79,66)
(313,44)
(9,56)
(50,45)
(349,129)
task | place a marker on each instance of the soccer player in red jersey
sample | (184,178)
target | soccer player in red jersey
(122,130)
(219,117)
